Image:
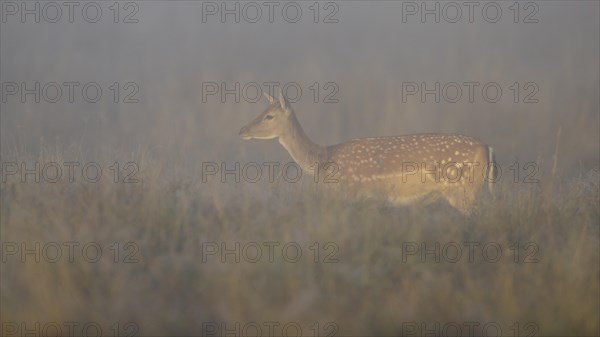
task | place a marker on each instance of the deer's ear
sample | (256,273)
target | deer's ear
(283,102)
(269,97)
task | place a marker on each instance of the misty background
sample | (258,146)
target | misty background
(170,52)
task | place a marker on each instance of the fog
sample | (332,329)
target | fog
(369,55)
(151,91)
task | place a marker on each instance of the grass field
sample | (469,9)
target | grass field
(366,276)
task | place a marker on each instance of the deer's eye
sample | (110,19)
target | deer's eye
(268,117)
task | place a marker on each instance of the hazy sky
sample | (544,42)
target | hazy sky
(361,53)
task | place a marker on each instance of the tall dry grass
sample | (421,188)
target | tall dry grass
(372,287)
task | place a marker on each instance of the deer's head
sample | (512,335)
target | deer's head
(274,122)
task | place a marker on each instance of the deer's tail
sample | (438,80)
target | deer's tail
(491,169)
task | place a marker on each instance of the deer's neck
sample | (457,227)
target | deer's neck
(303,150)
